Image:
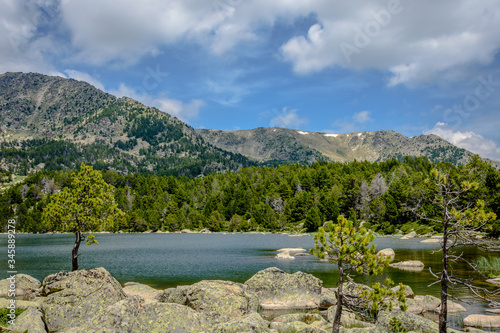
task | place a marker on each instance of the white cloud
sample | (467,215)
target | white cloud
(469,140)
(81,76)
(362,117)
(184,111)
(456,35)
(288,118)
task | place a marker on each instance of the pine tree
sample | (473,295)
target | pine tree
(86,205)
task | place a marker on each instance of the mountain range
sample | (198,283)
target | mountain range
(53,123)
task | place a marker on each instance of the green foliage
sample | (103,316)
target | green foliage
(397,326)
(380,297)
(4,316)
(349,247)
(488,266)
(86,205)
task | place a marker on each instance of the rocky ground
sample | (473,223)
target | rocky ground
(94,301)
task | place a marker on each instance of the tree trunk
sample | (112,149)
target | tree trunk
(443,313)
(78,240)
(340,296)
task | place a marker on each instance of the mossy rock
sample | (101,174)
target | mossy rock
(252,323)
(410,321)
(75,297)
(137,315)
(141,290)
(27,287)
(220,301)
(277,289)
(31,320)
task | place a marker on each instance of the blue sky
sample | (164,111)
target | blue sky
(416,67)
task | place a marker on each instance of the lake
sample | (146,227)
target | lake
(168,260)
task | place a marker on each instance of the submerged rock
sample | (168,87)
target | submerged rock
(75,297)
(284,255)
(410,265)
(483,321)
(277,289)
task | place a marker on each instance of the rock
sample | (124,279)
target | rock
(142,290)
(414,306)
(387,253)
(410,265)
(301,254)
(408,291)
(31,320)
(279,290)
(412,234)
(205,231)
(495,281)
(328,299)
(428,303)
(126,284)
(410,321)
(186,231)
(137,315)
(299,327)
(27,287)
(284,255)
(292,250)
(483,321)
(452,307)
(219,301)
(252,323)
(20,304)
(493,311)
(345,314)
(75,297)
(307,318)
(431,240)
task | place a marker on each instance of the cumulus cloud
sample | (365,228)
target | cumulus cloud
(182,110)
(469,140)
(81,76)
(288,118)
(379,35)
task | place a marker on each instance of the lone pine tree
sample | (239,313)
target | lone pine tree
(86,205)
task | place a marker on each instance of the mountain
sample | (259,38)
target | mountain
(49,122)
(54,123)
(278,145)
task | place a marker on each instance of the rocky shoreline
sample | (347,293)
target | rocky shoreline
(270,301)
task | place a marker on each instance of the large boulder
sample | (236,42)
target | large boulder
(220,301)
(410,321)
(408,291)
(307,318)
(328,298)
(137,315)
(387,253)
(277,289)
(75,297)
(412,234)
(483,321)
(26,287)
(141,290)
(31,320)
(252,323)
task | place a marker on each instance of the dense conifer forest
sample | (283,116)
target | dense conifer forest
(388,197)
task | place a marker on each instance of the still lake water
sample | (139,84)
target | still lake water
(168,260)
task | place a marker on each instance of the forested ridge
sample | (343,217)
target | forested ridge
(387,196)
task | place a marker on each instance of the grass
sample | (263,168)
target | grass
(488,266)
(4,318)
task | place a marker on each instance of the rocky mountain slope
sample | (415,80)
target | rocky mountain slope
(279,144)
(56,123)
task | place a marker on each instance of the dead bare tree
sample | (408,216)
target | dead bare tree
(462,222)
